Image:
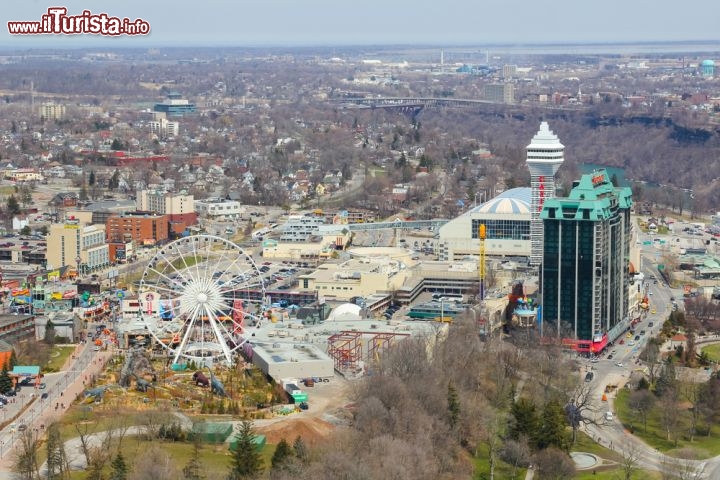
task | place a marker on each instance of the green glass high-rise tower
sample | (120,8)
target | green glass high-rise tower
(585,268)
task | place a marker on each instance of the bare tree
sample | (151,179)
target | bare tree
(631,455)
(494,425)
(669,414)
(84,435)
(582,408)
(651,355)
(641,402)
(153,464)
(26,463)
(554,464)
(516,453)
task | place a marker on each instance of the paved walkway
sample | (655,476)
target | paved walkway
(70,384)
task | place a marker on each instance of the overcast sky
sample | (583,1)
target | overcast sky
(376,22)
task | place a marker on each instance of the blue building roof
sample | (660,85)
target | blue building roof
(24,371)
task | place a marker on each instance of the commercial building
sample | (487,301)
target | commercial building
(298,360)
(585,273)
(52,111)
(500,92)
(143,228)
(301,228)
(78,245)
(14,328)
(507,222)
(179,207)
(164,128)
(545,154)
(219,209)
(175,106)
(371,270)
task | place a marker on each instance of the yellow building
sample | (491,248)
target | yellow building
(78,245)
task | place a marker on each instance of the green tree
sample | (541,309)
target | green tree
(6,383)
(118,468)
(301,451)
(91,178)
(114,181)
(667,381)
(246,462)
(453,405)
(552,427)
(117,145)
(283,453)
(13,207)
(524,419)
(50,333)
(25,195)
(26,230)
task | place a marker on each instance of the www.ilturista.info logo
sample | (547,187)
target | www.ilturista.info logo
(58,22)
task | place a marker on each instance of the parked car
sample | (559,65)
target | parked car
(589,376)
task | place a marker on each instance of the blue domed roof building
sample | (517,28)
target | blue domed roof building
(507,223)
(707,68)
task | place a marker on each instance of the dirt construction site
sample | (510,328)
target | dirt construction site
(330,408)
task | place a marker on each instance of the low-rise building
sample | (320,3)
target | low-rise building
(142,228)
(219,209)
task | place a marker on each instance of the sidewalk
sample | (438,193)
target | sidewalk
(92,363)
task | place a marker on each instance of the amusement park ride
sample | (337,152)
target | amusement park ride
(200,293)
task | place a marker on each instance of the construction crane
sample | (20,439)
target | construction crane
(481,267)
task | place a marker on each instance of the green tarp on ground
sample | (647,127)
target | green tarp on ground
(212,432)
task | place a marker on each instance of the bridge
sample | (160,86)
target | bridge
(397,224)
(412,102)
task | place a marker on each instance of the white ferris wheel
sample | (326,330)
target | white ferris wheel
(197,296)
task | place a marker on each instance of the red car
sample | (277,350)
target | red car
(622,341)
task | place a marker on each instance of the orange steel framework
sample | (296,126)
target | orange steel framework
(347,348)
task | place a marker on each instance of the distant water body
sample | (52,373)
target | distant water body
(608,48)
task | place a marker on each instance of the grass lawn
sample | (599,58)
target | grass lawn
(215,459)
(609,472)
(585,444)
(704,446)
(502,470)
(58,356)
(187,261)
(713,351)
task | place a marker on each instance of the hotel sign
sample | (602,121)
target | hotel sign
(598,179)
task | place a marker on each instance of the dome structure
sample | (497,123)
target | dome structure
(708,63)
(507,222)
(511,202)
(345,312)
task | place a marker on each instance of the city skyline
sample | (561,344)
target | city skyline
(325,23)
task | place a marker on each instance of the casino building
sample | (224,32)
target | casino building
(585,272)
(507,222)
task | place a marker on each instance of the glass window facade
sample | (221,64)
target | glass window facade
(502,229)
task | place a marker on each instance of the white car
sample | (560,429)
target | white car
(631,343)
(619,364)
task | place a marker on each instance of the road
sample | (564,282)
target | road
(62,388)
(612,434)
